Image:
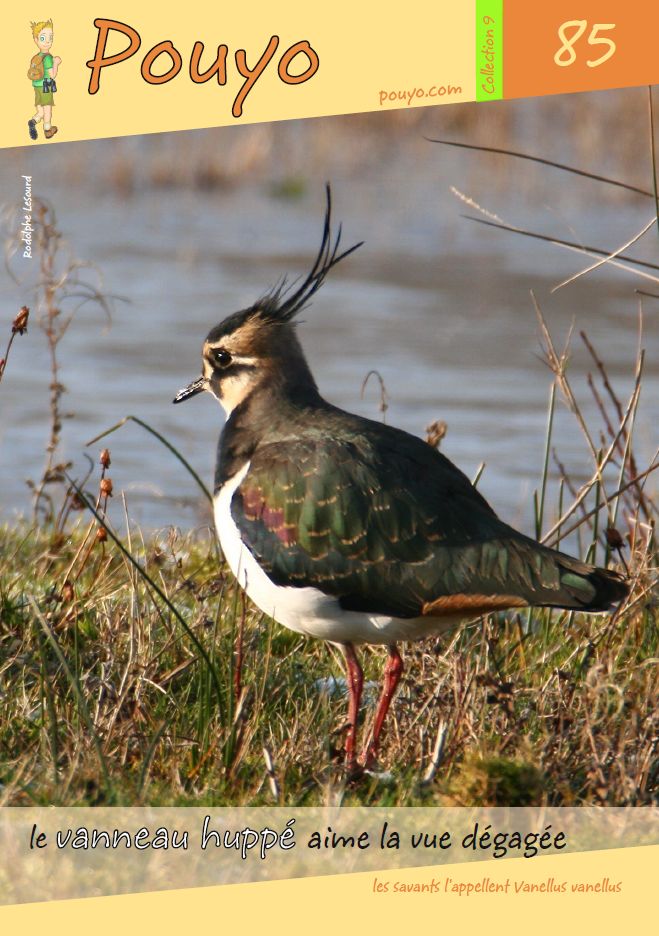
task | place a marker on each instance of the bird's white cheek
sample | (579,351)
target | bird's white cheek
(233,390)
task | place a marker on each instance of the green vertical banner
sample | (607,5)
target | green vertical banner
(489,50)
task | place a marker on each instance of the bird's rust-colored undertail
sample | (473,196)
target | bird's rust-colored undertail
(472,604)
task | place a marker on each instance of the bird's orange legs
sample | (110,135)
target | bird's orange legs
(355,686)
(393,670)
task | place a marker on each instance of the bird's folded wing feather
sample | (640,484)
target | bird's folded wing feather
(385,531)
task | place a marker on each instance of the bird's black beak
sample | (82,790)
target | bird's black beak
(191,390)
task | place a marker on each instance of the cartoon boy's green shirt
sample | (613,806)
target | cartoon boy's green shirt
(47,65)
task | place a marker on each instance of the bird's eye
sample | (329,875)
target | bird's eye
(221,357)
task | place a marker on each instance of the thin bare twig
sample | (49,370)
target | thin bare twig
(558,365)
(270,771)
(653,157)
(18,327)
(545,162)
(607,259)
(578,248)
(547,538)
(384,396)
(437,754)
(601,462)
(625,451)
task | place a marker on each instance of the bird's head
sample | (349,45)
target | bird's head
(258,347)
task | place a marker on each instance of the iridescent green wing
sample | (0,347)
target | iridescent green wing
(391,528)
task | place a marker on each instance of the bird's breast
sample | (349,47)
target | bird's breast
(295,608)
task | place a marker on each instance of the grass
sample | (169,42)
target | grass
(133,671)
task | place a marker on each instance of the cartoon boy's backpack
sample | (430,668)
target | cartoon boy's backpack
(36,70)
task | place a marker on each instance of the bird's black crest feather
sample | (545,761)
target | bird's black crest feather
(281,304)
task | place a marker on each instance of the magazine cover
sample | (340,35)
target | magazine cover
(329,393)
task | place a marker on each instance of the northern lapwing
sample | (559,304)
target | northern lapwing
(349,530)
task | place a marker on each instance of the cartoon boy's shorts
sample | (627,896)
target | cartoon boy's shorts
(42,97)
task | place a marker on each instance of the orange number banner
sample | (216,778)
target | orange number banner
(578,45)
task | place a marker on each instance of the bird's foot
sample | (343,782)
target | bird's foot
(354,770)
(365,766)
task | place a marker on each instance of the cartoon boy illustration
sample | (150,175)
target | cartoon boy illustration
(42,73)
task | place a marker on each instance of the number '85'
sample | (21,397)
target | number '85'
(566,54)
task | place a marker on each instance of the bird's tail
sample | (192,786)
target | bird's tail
(588,588)
(547,578)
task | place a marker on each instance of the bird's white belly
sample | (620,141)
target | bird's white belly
(308,610)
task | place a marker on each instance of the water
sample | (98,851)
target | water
(439,305)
